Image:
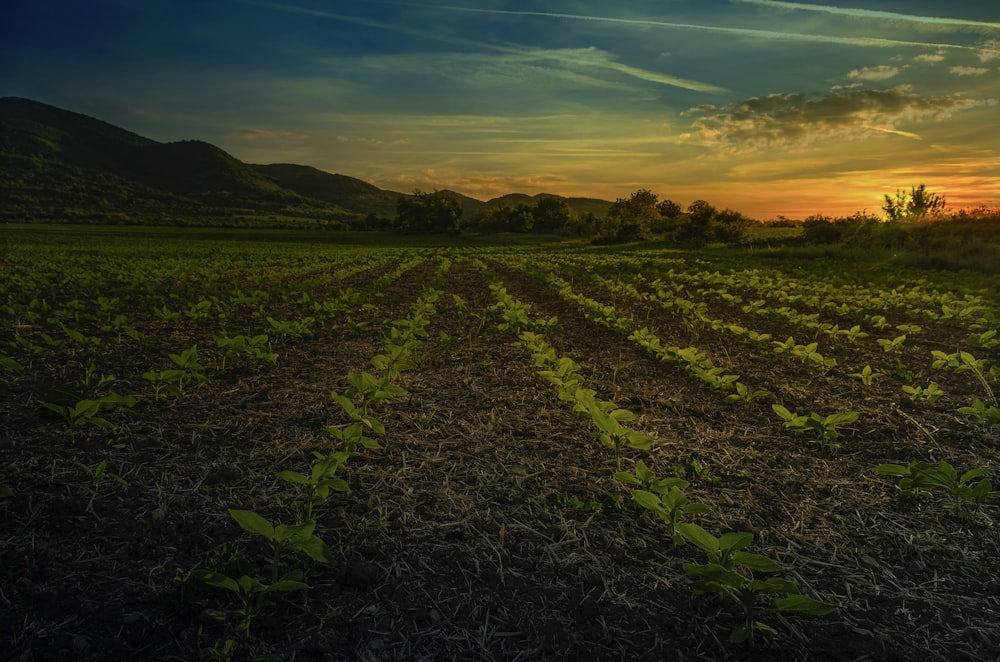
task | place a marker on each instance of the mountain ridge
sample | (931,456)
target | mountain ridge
(59,162)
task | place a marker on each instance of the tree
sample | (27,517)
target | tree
(551,215)
(506,218)
(631,219)
(917,205)
(435,212)
(697,230)
(730,226)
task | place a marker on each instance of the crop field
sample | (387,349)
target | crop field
(252,447)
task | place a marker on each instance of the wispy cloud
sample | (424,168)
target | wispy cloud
(746,32)
(590,57)
(365,140)
(794,118)
(871,13)
(930,57)
(969,71)
(265,134)
(895,132)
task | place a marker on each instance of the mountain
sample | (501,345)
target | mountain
(594,206)
(347,192)
(56,164)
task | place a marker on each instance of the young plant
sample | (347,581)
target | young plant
(253,594)
(88,412)
(927,394)
(985,414)
(284,537)
(824,426)
(918,478)
(608,420)
(746,395)
(97,475)
(174,380)
(662,496)
(895,345)
(724,575)
(318,484)
(867,375)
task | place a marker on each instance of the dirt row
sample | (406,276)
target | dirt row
(489,525)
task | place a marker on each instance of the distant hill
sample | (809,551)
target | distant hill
(579,205)
(346,192)
(60,165)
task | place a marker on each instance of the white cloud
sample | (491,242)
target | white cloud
(969,71)
(881,72)
(932,58)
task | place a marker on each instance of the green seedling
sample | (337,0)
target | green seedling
(174,380)
(88,412)
(824,426)
(608,420)
(987,339)
(253,594)
(985,414)
(928,394)
(918,478)
(669,507)
(645,478)
(879,322)
(80,339)
(10,364)
(563,371)
(397,357)
(722,576)
(320,481)
(854,334)
(895,345)
(746,395)
(199,310)
(165,314)
(966,362)
(255,348)
(97,475)
(284,537)
(370,390)
(867,375)
(909,328)
(292,328)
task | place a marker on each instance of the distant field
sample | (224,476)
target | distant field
(489,452)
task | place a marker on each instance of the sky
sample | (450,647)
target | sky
(767,107)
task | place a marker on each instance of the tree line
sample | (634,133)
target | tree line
(640,217)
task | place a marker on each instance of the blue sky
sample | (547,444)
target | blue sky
(764,106)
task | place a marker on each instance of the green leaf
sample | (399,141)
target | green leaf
(699,537)
(286,585)
(294,477)
(252,522)
(756,562)
(735,540)
(316,549)
(216,579)
(627,478)
(647,500)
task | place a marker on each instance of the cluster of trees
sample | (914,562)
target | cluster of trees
(640,217)
(644,216)
(545,215)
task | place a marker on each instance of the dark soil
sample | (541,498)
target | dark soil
(489,526)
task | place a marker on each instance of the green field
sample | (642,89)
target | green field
(313,445)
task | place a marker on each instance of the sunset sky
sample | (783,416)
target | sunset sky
(768,107)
